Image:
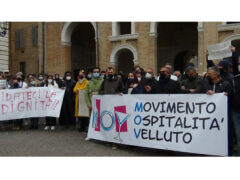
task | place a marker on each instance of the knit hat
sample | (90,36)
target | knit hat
(224,63)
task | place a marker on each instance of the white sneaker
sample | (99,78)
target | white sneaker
(46,128)
(87,139)
(52,128)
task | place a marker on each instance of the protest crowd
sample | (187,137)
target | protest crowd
(220,78)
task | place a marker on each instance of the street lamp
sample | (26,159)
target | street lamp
(3,29)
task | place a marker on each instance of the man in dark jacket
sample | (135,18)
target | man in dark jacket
(165,84)
(150,81)
(193,83)
(67,118)
(111,85)
(215,84)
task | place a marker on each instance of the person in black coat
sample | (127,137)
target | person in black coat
(215,84)
(58,80)
(150,81)
(67,118)
(165,84)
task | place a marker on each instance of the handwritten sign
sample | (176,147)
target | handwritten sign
(31,102)
(219,51)
(195,123)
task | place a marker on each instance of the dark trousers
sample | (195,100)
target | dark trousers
(83,123)
(34,122)
(18,122)
(230,133)
(50,121)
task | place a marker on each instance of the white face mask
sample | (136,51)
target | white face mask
(49,80)
(148,76)
(68,77)
(239,68)
(139,79)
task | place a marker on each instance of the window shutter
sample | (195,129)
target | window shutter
(36,33)
(16,39)
(33,36)
(21,38)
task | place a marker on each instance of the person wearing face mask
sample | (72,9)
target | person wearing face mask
(149,81)
(18,123)
(103,74)
(92,88)
(128,88)
(50,121)
(89,74)
(111,85)
(223,67)
(80,85)
(193,83)
(32,82)
(165,84)
(67,119)
(41,80)
(215,84)
(58,80)
(20,79)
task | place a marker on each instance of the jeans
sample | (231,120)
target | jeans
(236,121)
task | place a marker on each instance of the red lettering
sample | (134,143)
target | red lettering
(21,109)
(29,106)
(8,97)
(42,102)
(29,93)
(5,109)
(55,104)
(16,95)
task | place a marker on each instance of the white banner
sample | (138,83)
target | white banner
(219,51)
(83,110)
(30,102)
(195,123)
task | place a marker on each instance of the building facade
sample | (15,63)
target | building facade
(4,56)
(55,47)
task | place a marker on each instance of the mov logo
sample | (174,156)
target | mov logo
(106,120)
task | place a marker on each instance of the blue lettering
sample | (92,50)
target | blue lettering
(112,117)
(137,123)
(137,134)
(139,108)
(94,119)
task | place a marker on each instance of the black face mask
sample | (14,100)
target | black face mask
(209,79)
(110,76)
(15,85)
(19,79)
(131,80)
(222,71)
(81,77)
(191,78)
(162,76)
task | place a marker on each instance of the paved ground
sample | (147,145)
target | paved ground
(66,143)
